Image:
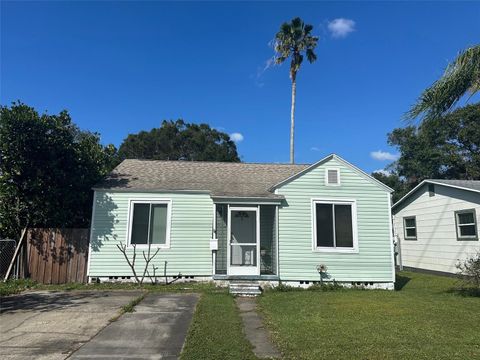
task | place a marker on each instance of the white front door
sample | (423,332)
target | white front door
(243,234)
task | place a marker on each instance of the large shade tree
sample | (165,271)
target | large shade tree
(461,77)
(178,140)
(47,169)
(293,41)
(395,182)
(445,147)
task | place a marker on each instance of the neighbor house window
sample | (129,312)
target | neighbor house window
(332,177)
(410,226)
(334,227)
(150,223)
(466,225)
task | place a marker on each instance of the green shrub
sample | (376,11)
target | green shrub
(469,271)
(11,287)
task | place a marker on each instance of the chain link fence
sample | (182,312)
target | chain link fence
(7,250)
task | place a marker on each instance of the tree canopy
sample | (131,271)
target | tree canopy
(445,147)
(47,169)
(462,76)
(292,41)
(178,140)
(393,181)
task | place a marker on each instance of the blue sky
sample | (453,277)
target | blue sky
(122,67)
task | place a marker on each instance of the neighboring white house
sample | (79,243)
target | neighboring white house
(436,224)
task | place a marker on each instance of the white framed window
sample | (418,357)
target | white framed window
(149,223)
(466,223)
(410,227)
(334,225)
(332,176)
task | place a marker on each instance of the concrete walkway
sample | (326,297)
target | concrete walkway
(254,329)
(51,325)
(156,330)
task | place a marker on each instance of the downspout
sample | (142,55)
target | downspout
(398,243)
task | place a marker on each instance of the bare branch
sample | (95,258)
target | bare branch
(123,250)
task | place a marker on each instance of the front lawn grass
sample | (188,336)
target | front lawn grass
(216,331)
(425,319)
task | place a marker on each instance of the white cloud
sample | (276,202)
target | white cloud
(383,171)
(340,28)
(314,148)
(236,137)
(257,78)
(383,155)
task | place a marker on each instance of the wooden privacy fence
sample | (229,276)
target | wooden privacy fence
(57,256)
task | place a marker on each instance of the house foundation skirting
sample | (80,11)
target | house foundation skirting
(264,282)
(159,279)
(368,285)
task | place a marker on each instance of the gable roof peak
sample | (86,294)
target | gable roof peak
(467,185)
(341,160)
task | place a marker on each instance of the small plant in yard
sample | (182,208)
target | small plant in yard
(329,286)
(322,271)
(469,271)
(11,287)
(282,287)
(322,286)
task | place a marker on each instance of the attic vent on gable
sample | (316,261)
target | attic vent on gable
(332,177)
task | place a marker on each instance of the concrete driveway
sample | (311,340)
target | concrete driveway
(156,330)
(53,325)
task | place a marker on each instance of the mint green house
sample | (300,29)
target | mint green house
(240,221)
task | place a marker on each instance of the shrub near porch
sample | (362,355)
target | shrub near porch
(423,320)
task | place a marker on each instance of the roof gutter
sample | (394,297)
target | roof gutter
(258,200)
(152,190)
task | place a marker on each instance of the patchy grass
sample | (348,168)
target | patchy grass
(426,318)
(216,331)
(130,307)
(16,286)
(11,287)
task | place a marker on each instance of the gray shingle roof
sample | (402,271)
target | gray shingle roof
(218,178)
(468,184)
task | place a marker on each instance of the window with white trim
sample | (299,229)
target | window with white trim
(410,227)
(332,177)
(466,223)
(149,223)
(334,225)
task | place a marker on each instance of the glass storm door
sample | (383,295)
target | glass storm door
(243,257)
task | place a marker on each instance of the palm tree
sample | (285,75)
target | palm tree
(461,76)
(292,41)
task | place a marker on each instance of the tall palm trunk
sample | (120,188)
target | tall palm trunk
(292,118)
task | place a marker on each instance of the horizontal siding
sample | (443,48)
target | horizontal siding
(436,247)
(191,229)
(298,261)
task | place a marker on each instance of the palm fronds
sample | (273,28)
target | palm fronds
(462,76)
(292,40)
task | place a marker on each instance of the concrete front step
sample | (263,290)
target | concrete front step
(245,288)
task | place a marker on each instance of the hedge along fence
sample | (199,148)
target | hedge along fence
(57,256)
